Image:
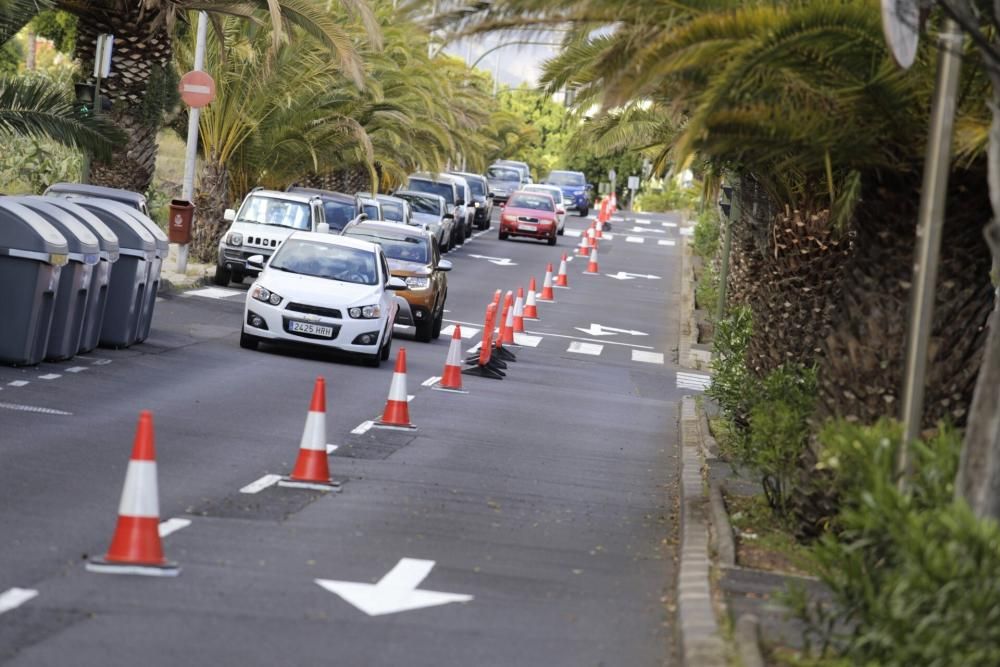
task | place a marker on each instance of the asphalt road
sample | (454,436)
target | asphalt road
(548,497)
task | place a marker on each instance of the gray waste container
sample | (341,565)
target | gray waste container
(32,253)
(97,297)
(127,289)
(74,279)
(153,282)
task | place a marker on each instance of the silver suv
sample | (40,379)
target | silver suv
(264,220)
(452,188)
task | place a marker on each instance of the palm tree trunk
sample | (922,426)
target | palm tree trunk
(209,206)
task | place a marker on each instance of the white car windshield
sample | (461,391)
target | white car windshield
(277,212)
(326,260)
(538,202)
(565,178)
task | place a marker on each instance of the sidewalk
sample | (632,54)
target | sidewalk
(197,274)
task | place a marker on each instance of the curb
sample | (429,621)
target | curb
(701,641)
(747,636)
(688,328)
(722,531)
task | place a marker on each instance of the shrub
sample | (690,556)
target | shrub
(671,198)
(706,292)
(732,383)
(915,576)
(30,165)
(705,242)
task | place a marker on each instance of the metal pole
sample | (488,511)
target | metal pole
(194,116)
(937,163)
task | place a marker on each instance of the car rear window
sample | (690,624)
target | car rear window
(422,204)
(537,202)
(338,214)
(392,211)
(405,248)
(433,187)
(326,260)
(476,186)
(504,174)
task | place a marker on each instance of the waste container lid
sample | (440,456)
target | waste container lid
(73,190)
(24,233)
(105,236)
(133,237)
(162,241)
(83,245)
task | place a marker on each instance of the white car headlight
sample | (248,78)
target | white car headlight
(418,282)
(235,239)
(476,204)
(265,295)
(365,312)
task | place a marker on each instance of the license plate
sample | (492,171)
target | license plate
(527,228)
(311,329)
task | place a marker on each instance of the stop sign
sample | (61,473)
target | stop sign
(197,89)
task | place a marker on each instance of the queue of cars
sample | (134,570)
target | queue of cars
(341,271)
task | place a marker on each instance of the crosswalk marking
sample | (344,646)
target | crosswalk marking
(647,357)
(635,239)
(695,381)
(467,332)
(585,348)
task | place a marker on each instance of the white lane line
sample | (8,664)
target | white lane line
(172,526)
(34,408)
(569,259)
(666,242)
(635,239)
(647,357)
(595,340)
(50,376)
(410,397)
(572,233)
(261,484)
(467,332)
(642,222)
(76,369)
(585,348)
(18,383)
(669,224)
(431,381)
(13,598)
(101,362)
(212,293)
(608,236)
(330,449)
(693,381)
(527,340)
(363,427)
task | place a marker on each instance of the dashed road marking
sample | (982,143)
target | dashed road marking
(363,427)
(212,293)
(641,222)
(572,233)
(431,381)
(467,332)
(669,224)
(259,485)
(647,357)
(608,236)
(13,598)
(18,383)
(330,449)
(34,408)
(172,526)
(527,340)
(76,369)
(410,397)
(50,376)
(101,362)
(635,239)
(695,381)
(666,242)
(585,348)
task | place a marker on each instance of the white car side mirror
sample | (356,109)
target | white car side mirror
(229,215)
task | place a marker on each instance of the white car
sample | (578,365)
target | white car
(557,197)
(325,290)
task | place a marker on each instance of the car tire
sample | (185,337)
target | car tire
(237,277)
(222,276)
(248,342)
(552,241)
(584,212)
(503,236)
(562,231)
(373,360)
(438,321)
(425,331)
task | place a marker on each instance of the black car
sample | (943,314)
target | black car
(481,199)
(339,208)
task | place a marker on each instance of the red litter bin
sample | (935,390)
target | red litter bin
(179,224)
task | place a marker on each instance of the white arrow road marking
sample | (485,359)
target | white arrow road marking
(261,484)
(625,275)
(13,598)
(647,357)
(646,230)
(467,332)
(585,348)
(397,591)
(172,526)
(601,330)
(666,242)
(212,293)
(693,381)
(499,261)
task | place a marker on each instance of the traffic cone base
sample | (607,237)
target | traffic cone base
(103,566)
(437,387)
(289,483)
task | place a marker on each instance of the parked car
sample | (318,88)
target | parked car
(324,290)
(370,206)
(395,209)
(470,212)
(414,257)
(481,200)
(531,214)
(450,188)
(339,208)
(574,185)
(503,180)
(522,167)
(264,220)
(557,196)
(72,190)
(430,211)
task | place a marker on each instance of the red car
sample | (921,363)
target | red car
(530,214)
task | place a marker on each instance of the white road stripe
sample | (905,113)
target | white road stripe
(641,222)
(467,332)
(410,397)
(635,239)
(572,233)
(261,484)
(14,597)
(669,224)
(76,369)
(527,340)
(17,383)
(687,231)
(36,409)
(585,348)
(693,381)
(363,427)
(647,357)
(101,362)
(172,526)
(212,293)
(431,381)
(50,376)
(474,348)
(330,449)
(666,242)
(608,236)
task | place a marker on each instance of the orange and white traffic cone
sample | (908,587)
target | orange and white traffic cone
(598,229)
(451,379)
(136,547)
(547,293)
(562,280)
(584,248)
(518,314)
(397,408)
(312,469)
(592,269)
(508,327)
(530,306)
